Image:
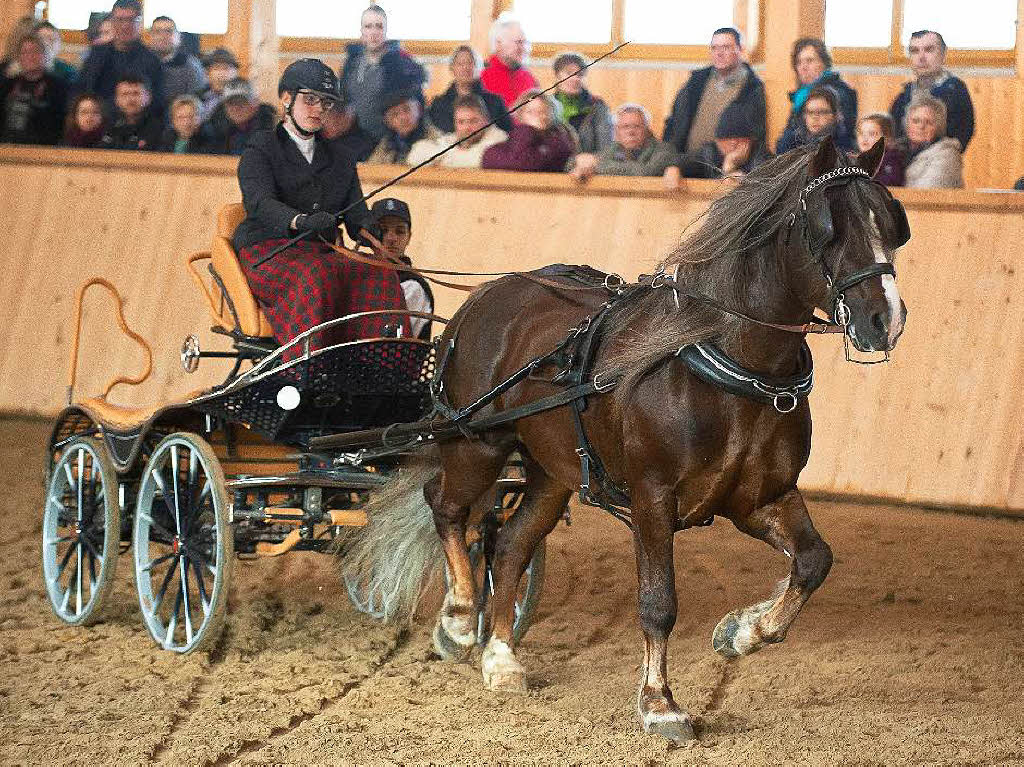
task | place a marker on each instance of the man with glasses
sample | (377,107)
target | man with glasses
(124,55)
(700,103)
(296,182)
(927,53)
(183,73)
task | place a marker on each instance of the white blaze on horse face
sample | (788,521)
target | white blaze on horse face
(892,293)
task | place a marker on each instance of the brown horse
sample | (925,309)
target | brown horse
(808,230)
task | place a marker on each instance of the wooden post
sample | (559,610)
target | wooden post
(1020,39)
(785,21)
(482,13)
(252,37)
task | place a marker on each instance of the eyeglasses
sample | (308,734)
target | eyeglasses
(819,112)
(312,99)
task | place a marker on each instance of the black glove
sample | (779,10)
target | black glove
(322,223)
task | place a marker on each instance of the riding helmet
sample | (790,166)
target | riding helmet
(309,75)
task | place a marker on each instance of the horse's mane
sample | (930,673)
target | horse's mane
(719,260)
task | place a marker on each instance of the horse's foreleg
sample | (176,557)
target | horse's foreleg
(656,599)
(519,536)
(786,526)
(468,470)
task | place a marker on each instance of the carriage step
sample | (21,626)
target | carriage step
(334,481)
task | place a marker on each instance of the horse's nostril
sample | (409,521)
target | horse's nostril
(878,322)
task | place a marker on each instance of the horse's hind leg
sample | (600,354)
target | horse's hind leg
(469,468)
(786,526)
(537,516)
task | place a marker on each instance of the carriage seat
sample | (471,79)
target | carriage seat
(236,291)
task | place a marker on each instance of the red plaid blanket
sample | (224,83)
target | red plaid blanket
(309,283)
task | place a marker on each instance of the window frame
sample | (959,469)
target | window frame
(896,53)
(78,36)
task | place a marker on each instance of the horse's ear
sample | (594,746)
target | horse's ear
(825,159)
(871,159)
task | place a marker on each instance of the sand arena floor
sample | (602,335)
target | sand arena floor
(911,653)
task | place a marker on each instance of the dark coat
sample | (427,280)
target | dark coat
(401,73)
(170,138)
(219,135)
(146,134)
(959,109)
(679,121)
(44,102)
(442,108)
(845,133)
(357,141)
(707,161)
(278,184)
(105,64)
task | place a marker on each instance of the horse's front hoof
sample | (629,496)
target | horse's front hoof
(724,638)
(676,729)
(448,648)
(502,671)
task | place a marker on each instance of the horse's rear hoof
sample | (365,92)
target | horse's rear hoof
(447,647)
(723,640)
(506,681)
(677,731)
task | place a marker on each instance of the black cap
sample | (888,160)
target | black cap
(395,98)
(220,56)
(309,75)
(390,206)
(734,123)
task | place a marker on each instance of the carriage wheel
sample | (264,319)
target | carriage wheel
(527,596)
(81,531)
(184,544)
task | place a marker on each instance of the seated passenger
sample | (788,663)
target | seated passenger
(182,135)
(294,181)
(635,151)
(238,117)
(819,117)
(405,125)
(342,123)
(466,65)
(587,114)
(470,116)
(137,124)
(734,153)
(812,65)
(86,124)
(934,160)
(878,125)
(394,225)
(32,104)
(538,142)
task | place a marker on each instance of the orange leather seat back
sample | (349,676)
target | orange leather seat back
(224,260)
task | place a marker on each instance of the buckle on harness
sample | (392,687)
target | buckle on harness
(792,401)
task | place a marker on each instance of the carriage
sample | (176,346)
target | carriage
(185,488)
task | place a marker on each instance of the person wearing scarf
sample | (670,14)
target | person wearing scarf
(812,66)
(405,124)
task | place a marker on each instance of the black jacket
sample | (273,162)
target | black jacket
(278,184)
(750,97)
(105,64)
(442,108)
(146,134)
(707,161)
(32,112)
(218,135)
(959,109)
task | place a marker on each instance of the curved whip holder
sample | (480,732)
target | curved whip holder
(73,373)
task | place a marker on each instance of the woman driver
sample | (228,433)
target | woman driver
(294,181)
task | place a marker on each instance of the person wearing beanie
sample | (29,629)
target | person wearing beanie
(734,152)
(406,123)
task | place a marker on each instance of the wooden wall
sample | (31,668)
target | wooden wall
(939,425)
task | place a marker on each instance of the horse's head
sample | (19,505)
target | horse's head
(851,227)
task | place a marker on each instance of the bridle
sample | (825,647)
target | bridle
(814,223)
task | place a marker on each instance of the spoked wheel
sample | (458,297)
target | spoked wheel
(184,544)
(527,595)
(81,531)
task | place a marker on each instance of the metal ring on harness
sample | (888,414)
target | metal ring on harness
(613,282)
(793,398)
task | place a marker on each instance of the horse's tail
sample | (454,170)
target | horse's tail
(388,563)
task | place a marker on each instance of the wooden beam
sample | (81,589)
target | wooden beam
(1020,39)
(482,13)
(252,36)
(786,20)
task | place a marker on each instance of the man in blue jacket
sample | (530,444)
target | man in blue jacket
(927,52)
(376,68)
(700,103)
(125,55)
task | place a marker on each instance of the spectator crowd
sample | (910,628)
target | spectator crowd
(165,97)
